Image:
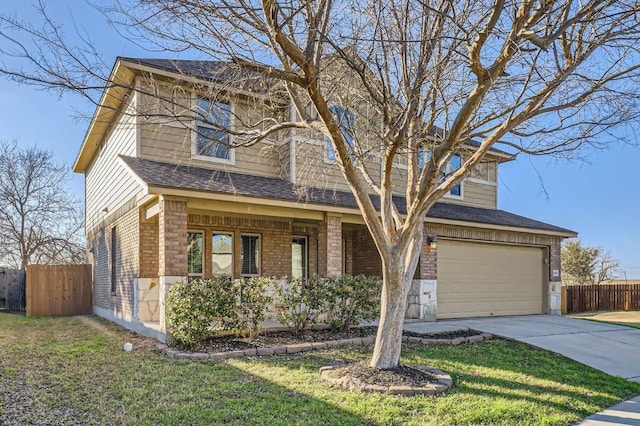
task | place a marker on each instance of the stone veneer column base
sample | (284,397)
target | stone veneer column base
(423,301)
(129,323)
(165,283)
(555,298)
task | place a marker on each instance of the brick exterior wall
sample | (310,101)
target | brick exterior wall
(311,232)
(330,247)
(127,261)
(149,247)
(427,265)
(172,238)
(275,241)
(366,259)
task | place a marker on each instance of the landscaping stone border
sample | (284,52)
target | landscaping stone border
(442,383)
(309,346)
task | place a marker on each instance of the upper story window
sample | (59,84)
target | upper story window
(346,119)
(210,140)
(454,164)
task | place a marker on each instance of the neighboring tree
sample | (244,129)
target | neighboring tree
(587,265)
(40,222)
(406,81)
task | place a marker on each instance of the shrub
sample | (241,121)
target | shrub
(300,302)
(198,309)
(254,303)
(350,300)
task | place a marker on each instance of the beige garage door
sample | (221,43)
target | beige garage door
(481,279)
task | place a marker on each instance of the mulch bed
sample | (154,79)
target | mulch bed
(277,338)
(399,376)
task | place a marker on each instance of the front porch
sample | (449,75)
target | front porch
(180,240)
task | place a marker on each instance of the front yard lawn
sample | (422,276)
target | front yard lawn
(74,371)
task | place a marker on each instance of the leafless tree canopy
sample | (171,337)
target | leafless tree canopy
(538,77)
(39,221)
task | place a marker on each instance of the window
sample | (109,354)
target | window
(222,254)
(114,260)
(454,164)
(195,253)
(250,254)
(299,257)
(210,140)
(346,121)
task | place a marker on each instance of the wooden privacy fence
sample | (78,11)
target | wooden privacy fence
(58,290)
(603,297)
(12,289)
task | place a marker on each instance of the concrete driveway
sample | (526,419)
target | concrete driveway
(609,348)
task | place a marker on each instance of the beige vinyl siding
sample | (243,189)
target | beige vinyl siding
(161,142)
(485,279)
(108,184)
(476,194)
(313,170)
(170,140)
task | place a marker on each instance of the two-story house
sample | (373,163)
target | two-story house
(164,204)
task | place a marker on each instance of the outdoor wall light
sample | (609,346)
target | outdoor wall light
(432,241)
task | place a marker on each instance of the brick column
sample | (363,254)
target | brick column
(423,301)
(330,246)
(172,247)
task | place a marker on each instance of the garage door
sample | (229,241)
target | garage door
(481,279)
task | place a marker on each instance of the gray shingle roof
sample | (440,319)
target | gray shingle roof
(212,71)
(166,175)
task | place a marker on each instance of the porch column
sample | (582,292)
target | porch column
(172,242)
(555,280)
(330,246)
(423,301)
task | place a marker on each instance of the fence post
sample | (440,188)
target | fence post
(563,300)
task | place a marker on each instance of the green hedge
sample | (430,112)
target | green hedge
(200,309)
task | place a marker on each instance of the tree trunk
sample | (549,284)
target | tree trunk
(397,275)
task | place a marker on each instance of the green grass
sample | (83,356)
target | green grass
(623,324)
(77,366)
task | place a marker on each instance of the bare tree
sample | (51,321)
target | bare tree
(587,265)
(415,82)
(40,222)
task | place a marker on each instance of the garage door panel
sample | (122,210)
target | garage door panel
(481,279)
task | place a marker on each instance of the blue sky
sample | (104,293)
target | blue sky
(598,197)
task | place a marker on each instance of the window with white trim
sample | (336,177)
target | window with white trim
(195,254)
(250,254)
(455,162)
(211,140)
(346,120)
(222,254)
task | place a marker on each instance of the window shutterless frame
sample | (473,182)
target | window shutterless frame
(250,255)
(222,262)
(195,253)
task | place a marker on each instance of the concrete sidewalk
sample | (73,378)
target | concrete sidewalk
(625,413)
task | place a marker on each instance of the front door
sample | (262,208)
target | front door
(299,257)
